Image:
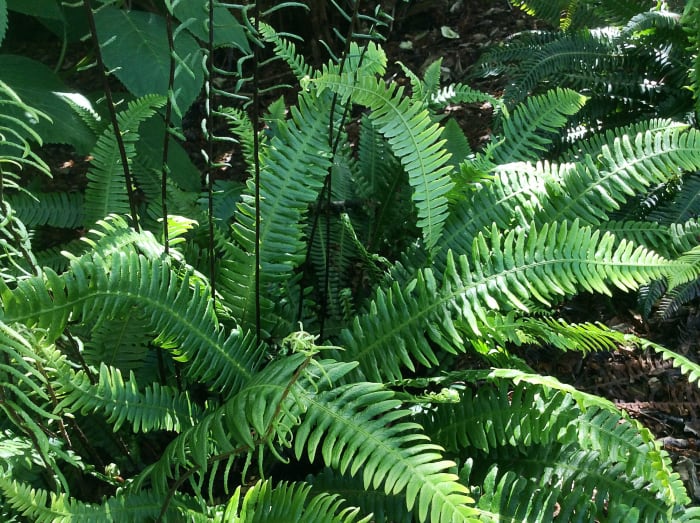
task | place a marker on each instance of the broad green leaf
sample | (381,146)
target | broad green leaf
(37,8)
(135,47)
(182,170)
(227,30)
(40,88)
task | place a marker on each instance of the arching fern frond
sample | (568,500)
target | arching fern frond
(182,314)
(528,132)
(106,190)
(289,502)
(496,419)
(292,173)
(155,408)
(384,508)
(57,209)
(44,507)
(670,303)
(16,134)
(683,205)
(120,342)
(357,428)
(628,166)
(507,271)
(413,138)
(287,51)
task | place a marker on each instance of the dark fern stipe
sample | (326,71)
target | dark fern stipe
(287,343)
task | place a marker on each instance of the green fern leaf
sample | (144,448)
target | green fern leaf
(384,508)
(507,272)
(182,316)
(43,507)
(156,408)
(357,428)
(106,190)
(291,178)
(528,132)
(58,209)
(414,140)
(290,502)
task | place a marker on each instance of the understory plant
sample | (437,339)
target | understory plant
(330,339)
(635,61)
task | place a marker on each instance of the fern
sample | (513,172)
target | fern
(505,272)
(57,209)
(526,130)
(289,182)
(16,134)
(106,191)
(368,441)
(411,135)
(168,371)
(288,501)
(109,287)
(156,408)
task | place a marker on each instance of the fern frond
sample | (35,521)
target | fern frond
(528,132)
(16,134)
(548,11)
(669,304)
(628,166)
(56,209)
(18,260)
(292,174)
(507,271)
(691,24)
(497,418)
(287,51)
(47,507)
(579,57)
(120,342)
(414,140)
(689,368)
(106,190)
(290,502)
(383,507)
(460,93)
(688,270)
(486,419)
(357,428)
(660,238)
(182,314)
(512,497)
(156,408)
(683,205)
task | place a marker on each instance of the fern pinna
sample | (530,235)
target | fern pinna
(133,389)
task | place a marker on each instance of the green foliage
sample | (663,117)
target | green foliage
(42,90)
(632,61)
(124,34)
(284,345)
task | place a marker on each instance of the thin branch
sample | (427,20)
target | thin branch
(256,163)
(112,114)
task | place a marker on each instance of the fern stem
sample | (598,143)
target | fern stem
(210,146)
(112,114)
(165,169)
(255,116)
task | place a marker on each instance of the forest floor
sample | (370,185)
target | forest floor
(649,389)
